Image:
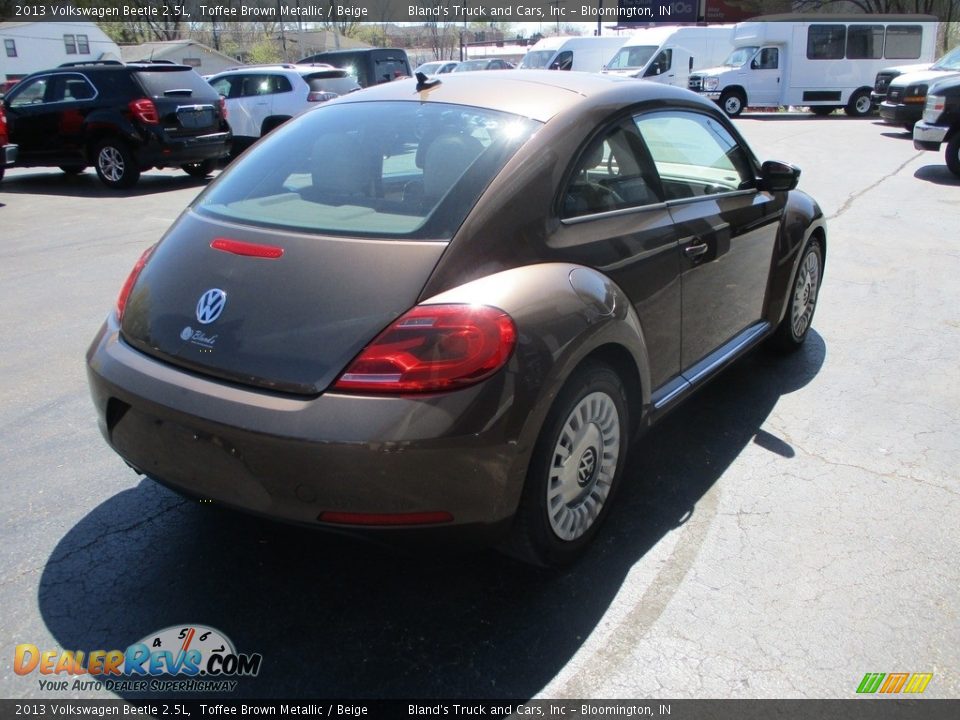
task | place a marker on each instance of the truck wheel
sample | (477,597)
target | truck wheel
(859,105)
(733,102)
(953,154)
(116,165)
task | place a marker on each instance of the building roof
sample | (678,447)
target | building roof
(161,49)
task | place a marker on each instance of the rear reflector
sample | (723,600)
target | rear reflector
(433,348)
(416,518)
(248,249)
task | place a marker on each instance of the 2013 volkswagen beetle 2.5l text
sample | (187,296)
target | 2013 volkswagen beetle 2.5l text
(452,304)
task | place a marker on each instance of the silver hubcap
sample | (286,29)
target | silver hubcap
(805,294)
(584,463)
(863,105)
(111,164)
(732,106)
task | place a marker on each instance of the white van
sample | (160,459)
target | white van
(586,54)
(669,54)
(824,63)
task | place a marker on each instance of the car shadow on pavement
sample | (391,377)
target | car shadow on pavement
(46,182)
(938,175)
(338,618)
(898,135)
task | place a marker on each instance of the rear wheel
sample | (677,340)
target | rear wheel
(576,466)
(199,169)
(793,330)
(116,166)
(952,154)
(73,169)
(733,102)
(859,105)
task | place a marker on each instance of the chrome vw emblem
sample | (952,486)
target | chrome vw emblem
(210,305)
(588,463)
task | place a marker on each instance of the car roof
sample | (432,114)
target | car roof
(536,94)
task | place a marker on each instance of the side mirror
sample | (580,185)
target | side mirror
(778,176)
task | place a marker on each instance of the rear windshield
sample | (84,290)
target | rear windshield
(371,169)
(174,83)
(335,81)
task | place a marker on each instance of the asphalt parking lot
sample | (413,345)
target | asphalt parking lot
(790,529)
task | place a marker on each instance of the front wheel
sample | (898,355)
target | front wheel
(575,468)
(795,326)
(116,165)
(952,154)
(199,169)
(859,105)
(733,102)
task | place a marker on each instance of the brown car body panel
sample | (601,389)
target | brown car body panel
(615,286)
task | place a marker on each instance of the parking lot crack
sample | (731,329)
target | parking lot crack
(853,197)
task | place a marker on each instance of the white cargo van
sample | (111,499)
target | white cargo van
(824,63)
(669,54)
(586,54)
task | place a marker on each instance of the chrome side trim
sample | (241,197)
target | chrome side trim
(689,380)
(669,392)
(726,352)
(612,213)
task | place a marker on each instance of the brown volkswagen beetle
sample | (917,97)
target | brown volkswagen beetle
(453,304)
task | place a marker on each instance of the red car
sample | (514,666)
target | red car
(8,152)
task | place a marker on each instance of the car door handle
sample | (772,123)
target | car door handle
(696,250)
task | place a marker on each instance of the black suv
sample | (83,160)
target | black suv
(121,119)
(941,122)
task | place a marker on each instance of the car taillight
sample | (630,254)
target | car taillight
(223,107)
(433,348)
(145,111)
(131,281)
(320,96)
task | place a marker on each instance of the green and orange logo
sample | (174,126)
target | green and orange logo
(892,683)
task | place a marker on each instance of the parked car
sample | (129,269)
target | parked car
(370,66)
(260,98)
(462,328)
(886,76)
(483,64)
(8,151)
(439,67)
(941,122)
(121,119)
(907,93)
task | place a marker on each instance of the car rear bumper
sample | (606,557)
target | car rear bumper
(927,136)
(294,458)
(180,151)
(9,156)
(900,114)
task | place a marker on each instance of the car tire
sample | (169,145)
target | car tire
(733,102)
(859,104)
(795,326)
(565,501)
(116,166)
(73,169)
(952,154)
(822,110)
(199,169)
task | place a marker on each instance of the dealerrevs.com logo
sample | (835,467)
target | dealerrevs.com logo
(180,658)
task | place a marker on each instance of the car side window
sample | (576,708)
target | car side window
(31,93)
(660,64)
(255,85)
(694,154)
(563,61)
(225,86)
(614,173)
(76,88)
(281,84)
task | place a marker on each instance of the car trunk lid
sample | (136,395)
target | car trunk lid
(270,308)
